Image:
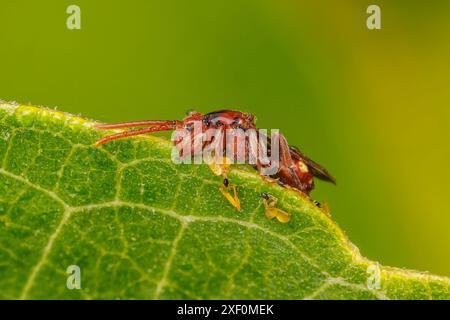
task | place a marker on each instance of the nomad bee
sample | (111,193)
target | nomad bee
(295,169)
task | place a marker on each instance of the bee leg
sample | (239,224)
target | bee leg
(233,199)
(288,170)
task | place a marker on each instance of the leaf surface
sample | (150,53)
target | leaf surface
(140,227)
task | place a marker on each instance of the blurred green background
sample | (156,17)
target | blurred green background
(372,106)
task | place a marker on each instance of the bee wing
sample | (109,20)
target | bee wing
(316,169)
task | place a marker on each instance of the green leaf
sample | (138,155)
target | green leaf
(140,227)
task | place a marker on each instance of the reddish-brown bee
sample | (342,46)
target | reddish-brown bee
(295,169)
